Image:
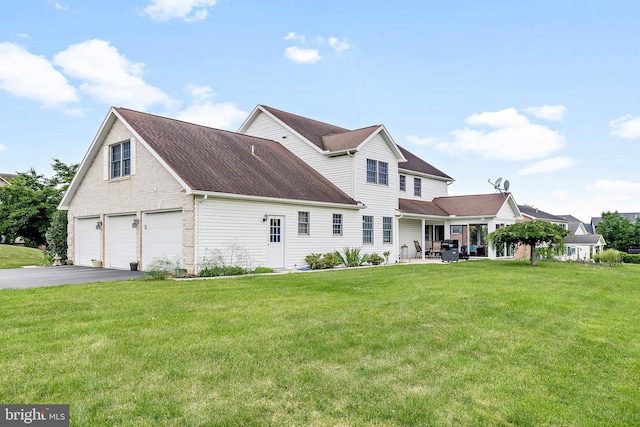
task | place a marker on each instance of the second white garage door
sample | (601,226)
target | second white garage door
(161,237)
(120,241)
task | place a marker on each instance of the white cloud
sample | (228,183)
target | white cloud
(26,75)
(306,56)
(510,137)
(2,147)
(591,200)
(627,127)
(548,112)
(338,45)
(422,141)
(109,76)
(204,111)
(294,36)
(549,165)
(187,10)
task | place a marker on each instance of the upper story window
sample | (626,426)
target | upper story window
(403,183)
(303,223)
(417,187)
(120,159)
(377,172)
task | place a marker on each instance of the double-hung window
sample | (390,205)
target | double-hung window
(377,172)
(367,229)
(120,159)
(403,183)
(303,223)
(417,187)
(337,224)
(387,229)
(372,171)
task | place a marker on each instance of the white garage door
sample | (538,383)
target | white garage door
(120,241)
(87,241)
(161,237)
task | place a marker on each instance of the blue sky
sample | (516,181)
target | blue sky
(542,93)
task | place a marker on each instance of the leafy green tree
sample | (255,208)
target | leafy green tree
(617,231)
(29,202)
(532,233)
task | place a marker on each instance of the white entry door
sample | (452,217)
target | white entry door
(275,242)
(120,241)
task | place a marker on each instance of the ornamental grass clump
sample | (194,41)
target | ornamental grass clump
(351,257)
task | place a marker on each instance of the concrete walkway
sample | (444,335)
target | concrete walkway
(32,277)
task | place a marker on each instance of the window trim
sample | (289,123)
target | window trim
(304,223)
(367,232)
(337,225)
(122,162)
(387,229)
(417,187)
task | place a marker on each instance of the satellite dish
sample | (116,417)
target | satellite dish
(498,181)
(506,185)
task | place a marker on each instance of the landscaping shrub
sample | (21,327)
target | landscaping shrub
(631,258)
(222,271)
(322,261)
(260,270)
(164,268)
(375,259)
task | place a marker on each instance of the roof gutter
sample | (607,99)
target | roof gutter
(230,196)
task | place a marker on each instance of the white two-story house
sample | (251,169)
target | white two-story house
(282,187)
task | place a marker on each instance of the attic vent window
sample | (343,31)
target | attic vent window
(120,159)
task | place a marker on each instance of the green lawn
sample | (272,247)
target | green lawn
(18,256)
(470,343)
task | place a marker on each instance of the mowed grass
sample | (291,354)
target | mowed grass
(17,256)
(470,343)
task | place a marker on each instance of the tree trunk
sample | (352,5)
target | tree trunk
(533,254)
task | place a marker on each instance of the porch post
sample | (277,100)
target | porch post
(422,238)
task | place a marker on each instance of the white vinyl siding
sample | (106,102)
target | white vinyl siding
(224,225)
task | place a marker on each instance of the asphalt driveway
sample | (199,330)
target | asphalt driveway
(32,277)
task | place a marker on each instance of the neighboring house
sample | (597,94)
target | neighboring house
(528,214)
(580,244)
(5,177)
(282,187)
(631,216)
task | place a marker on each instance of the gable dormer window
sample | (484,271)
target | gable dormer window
(120,159)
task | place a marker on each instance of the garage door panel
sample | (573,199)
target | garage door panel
(161,237)
(120,241)
(87,241)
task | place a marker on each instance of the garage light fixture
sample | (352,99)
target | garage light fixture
(98,225)
(135,223)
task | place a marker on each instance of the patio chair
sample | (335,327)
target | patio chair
(418,249)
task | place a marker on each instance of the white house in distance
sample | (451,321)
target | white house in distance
(282,187)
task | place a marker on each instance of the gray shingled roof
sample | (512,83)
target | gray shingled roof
(474,205)
(583,239)
(537,213)
(213,160)
(416,164)
(328,137)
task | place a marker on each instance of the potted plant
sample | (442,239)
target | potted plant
(133,265)
(97,263)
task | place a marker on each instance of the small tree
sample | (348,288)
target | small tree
(532,233)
